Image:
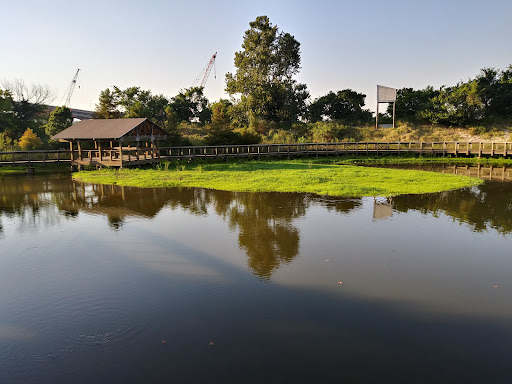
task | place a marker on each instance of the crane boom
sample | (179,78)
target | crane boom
(206,71)
(71,88)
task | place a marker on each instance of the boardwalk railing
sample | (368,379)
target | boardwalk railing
(34,157)
(442,148)
(133,156)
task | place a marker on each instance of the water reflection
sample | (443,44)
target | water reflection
(483,207)
(382,208)
(32,199)
(83,303)
(264,221)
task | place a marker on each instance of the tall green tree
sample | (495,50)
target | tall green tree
(264,77)
(60,118)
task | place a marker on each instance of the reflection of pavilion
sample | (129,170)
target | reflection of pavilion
(114,201)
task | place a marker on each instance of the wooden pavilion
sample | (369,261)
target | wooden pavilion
(113,142)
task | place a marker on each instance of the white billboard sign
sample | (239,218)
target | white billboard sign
(386,94)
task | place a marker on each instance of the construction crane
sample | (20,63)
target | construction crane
(71,88)
(206,72)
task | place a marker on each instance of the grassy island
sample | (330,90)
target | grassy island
(283,176)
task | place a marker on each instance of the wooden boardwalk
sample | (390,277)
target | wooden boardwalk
(115,157)
(442,148)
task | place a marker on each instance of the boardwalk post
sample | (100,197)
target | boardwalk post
(479,149)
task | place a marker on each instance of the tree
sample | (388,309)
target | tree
(60,119)
(191,105)
(142,103)
(7,126)
(28,104)
(413,104)
(108,106)
(264,77)
(345,106)
(459,105)
(221,114)
(29,140)
(495,91)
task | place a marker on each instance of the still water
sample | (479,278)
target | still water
(110,284)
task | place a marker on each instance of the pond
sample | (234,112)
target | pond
(116,284)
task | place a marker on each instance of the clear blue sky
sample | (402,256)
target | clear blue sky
(163,45)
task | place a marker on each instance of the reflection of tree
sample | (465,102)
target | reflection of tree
(488,205)
(337,204)
(113,201)
(263,220)
(266,233)
(31,199)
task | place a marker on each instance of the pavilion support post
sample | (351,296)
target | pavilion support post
(137,150)
(99,149)
(80,150)
(70,148)
(121,152)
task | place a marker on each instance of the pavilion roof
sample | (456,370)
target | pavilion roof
(114,129)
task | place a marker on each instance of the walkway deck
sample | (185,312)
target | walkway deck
(114,157)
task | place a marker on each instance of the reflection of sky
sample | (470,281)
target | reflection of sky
(424,262)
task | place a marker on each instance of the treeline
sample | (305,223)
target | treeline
(484,100)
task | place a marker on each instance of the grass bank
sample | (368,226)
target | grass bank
(414,160)
(284,176)
(38,168)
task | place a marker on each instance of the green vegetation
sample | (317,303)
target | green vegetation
(283,176)
(39,168)
(414,160)
(60,119)
(264,77)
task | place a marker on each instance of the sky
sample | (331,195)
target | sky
(164,45)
